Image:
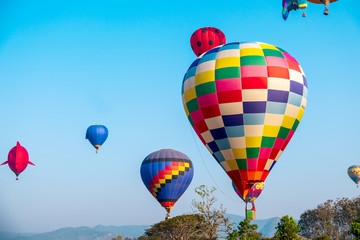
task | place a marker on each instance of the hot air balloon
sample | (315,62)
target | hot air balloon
(97,135)
(167,174)
(325,2)
(253,194)
(205,39)
(18,159)
(289,5)
(354,173)
(245,100)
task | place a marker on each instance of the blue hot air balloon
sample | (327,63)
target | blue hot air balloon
(97,135)
(167,174)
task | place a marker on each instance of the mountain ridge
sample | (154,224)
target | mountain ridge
(102,232)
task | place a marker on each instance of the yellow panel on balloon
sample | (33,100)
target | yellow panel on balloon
(300,114)
(251,52)
(288,122)
(232,164)
(190,94)
(271,131)
(208,76)
(253,141)
(268,46)
(227,62)
(239,153)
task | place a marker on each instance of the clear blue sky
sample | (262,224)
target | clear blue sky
(67,65)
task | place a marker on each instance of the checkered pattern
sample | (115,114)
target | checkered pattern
(354,173)
(245,101)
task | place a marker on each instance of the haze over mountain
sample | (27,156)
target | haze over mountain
(101,232)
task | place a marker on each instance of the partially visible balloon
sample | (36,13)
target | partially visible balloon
(253,193)
(18,159)
(354,173)
(97,134)
(325,2)
(204,39)
(167,174)
(289,5)
(245,101)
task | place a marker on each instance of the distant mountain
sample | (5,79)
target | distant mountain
(265,226)
(100,232)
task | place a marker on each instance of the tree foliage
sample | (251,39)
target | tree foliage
(332,218)
(355,228)
(184,227)
(287,229)
(215,223)
(245,231)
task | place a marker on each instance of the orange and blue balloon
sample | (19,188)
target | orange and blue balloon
(18,159)
(97,135)
(167,174)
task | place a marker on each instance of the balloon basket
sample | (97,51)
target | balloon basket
(250,214)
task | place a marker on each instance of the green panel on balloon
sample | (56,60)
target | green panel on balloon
(296,124)
(252,152)
(191,121)
(242,163)
(267,142)
(192,105)
(282,50)
(252,60)
(229,72)
(205,88)
(273,53)
(283,133)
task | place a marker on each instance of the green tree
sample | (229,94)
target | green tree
(332,218)
(245,231)
(184,227)
(323,237)
(215,223)
(355,228)
(287,229)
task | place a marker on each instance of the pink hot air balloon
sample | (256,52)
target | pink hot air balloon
(18,159)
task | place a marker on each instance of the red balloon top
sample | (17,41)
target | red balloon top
(204,39)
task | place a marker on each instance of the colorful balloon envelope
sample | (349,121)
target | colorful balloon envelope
(204,39)
(354,173)
(253,193)
(97,134)
(289,5)
(18,159)
(245,100)
(167,174)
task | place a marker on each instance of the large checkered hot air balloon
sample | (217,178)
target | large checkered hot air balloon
(245,100)
(167,174)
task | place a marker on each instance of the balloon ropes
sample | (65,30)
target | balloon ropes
(18,159)
(167,174)
(245,101)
